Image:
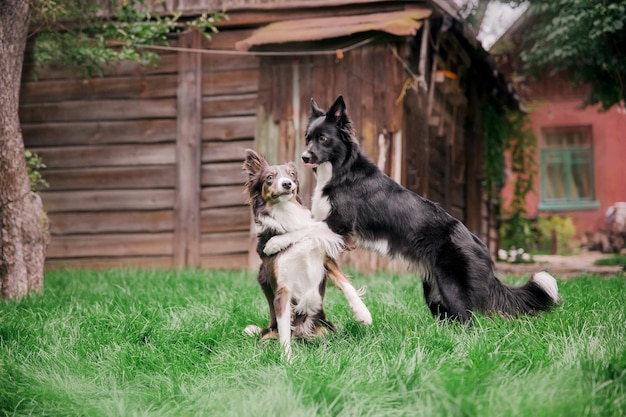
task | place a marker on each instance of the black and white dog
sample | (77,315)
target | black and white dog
(360,202)
(294,280)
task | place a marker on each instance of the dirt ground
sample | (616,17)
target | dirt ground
(561,266)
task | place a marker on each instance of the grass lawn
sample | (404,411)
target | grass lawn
(168,343)
(615,259)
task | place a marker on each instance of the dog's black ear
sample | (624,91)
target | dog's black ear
(315,109)
(337,113)
(253,163)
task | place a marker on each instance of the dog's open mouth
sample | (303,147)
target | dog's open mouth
(310,165)
(287,195)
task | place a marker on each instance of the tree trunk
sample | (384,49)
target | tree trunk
(23,223)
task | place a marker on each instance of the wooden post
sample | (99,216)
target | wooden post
(188,146)
(554,242)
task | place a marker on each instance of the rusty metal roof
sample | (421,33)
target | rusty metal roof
(401,23)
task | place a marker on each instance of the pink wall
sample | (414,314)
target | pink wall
(609,153)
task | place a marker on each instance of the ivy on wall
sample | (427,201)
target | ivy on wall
(506,130)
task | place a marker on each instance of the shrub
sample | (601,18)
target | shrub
(34,165)
(564,229)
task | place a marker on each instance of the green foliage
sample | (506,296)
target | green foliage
(563,227)
(515,226)
(510,131)
(614,260)
(87,37)
(584,40)
(34,166)
(496,135)
(171,343)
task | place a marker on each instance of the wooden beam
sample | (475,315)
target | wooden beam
(188,150)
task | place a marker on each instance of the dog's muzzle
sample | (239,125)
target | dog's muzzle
(287,185)
(309,159)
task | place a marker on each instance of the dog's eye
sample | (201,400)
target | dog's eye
(293,174)
(269,177)
(322,139)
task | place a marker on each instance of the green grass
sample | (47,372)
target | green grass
(614,260)
(165,343)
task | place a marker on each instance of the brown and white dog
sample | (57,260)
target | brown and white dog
(293,280)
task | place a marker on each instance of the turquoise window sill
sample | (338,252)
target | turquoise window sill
(568,205)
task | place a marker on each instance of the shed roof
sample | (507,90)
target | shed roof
(401,23)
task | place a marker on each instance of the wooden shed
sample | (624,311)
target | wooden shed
(144,164)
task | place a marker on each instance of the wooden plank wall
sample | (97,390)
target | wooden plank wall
(110,145)
(229,103)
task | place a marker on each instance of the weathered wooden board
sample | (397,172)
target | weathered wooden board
(106,156)
(228,128)
(104,200)
(143,87)
(167,64)
(224,243)
(226,173)
(227,196)
(231,82)
(150,262)
(98,110)
(225,151)
(230,105)
(99,132)
(115,244)
(225,39)
(225,219)
(225,261)
(112,178)
(111,222)
(224,63)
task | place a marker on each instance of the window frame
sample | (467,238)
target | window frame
(567,154)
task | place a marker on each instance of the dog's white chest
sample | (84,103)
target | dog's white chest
(287,217)
(320,205)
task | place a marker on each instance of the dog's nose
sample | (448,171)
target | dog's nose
(287,184)
(306,157)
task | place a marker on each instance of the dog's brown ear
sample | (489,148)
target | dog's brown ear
(293,167)
(315,109)
(337,113)
(253,163)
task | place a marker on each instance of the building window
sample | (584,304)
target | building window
(567,169)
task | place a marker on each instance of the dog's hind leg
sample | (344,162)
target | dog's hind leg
(268,291)
(282,306)
(433,299)
(336,275)
(453,304)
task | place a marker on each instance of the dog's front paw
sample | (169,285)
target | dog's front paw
(276,244)
(363,315)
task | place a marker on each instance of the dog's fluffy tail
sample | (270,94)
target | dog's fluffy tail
(540,293)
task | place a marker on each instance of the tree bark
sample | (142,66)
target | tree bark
(24,227)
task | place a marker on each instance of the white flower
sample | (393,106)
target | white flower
(502,255)
(526,257)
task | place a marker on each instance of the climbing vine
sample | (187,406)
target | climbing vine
(510,131)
